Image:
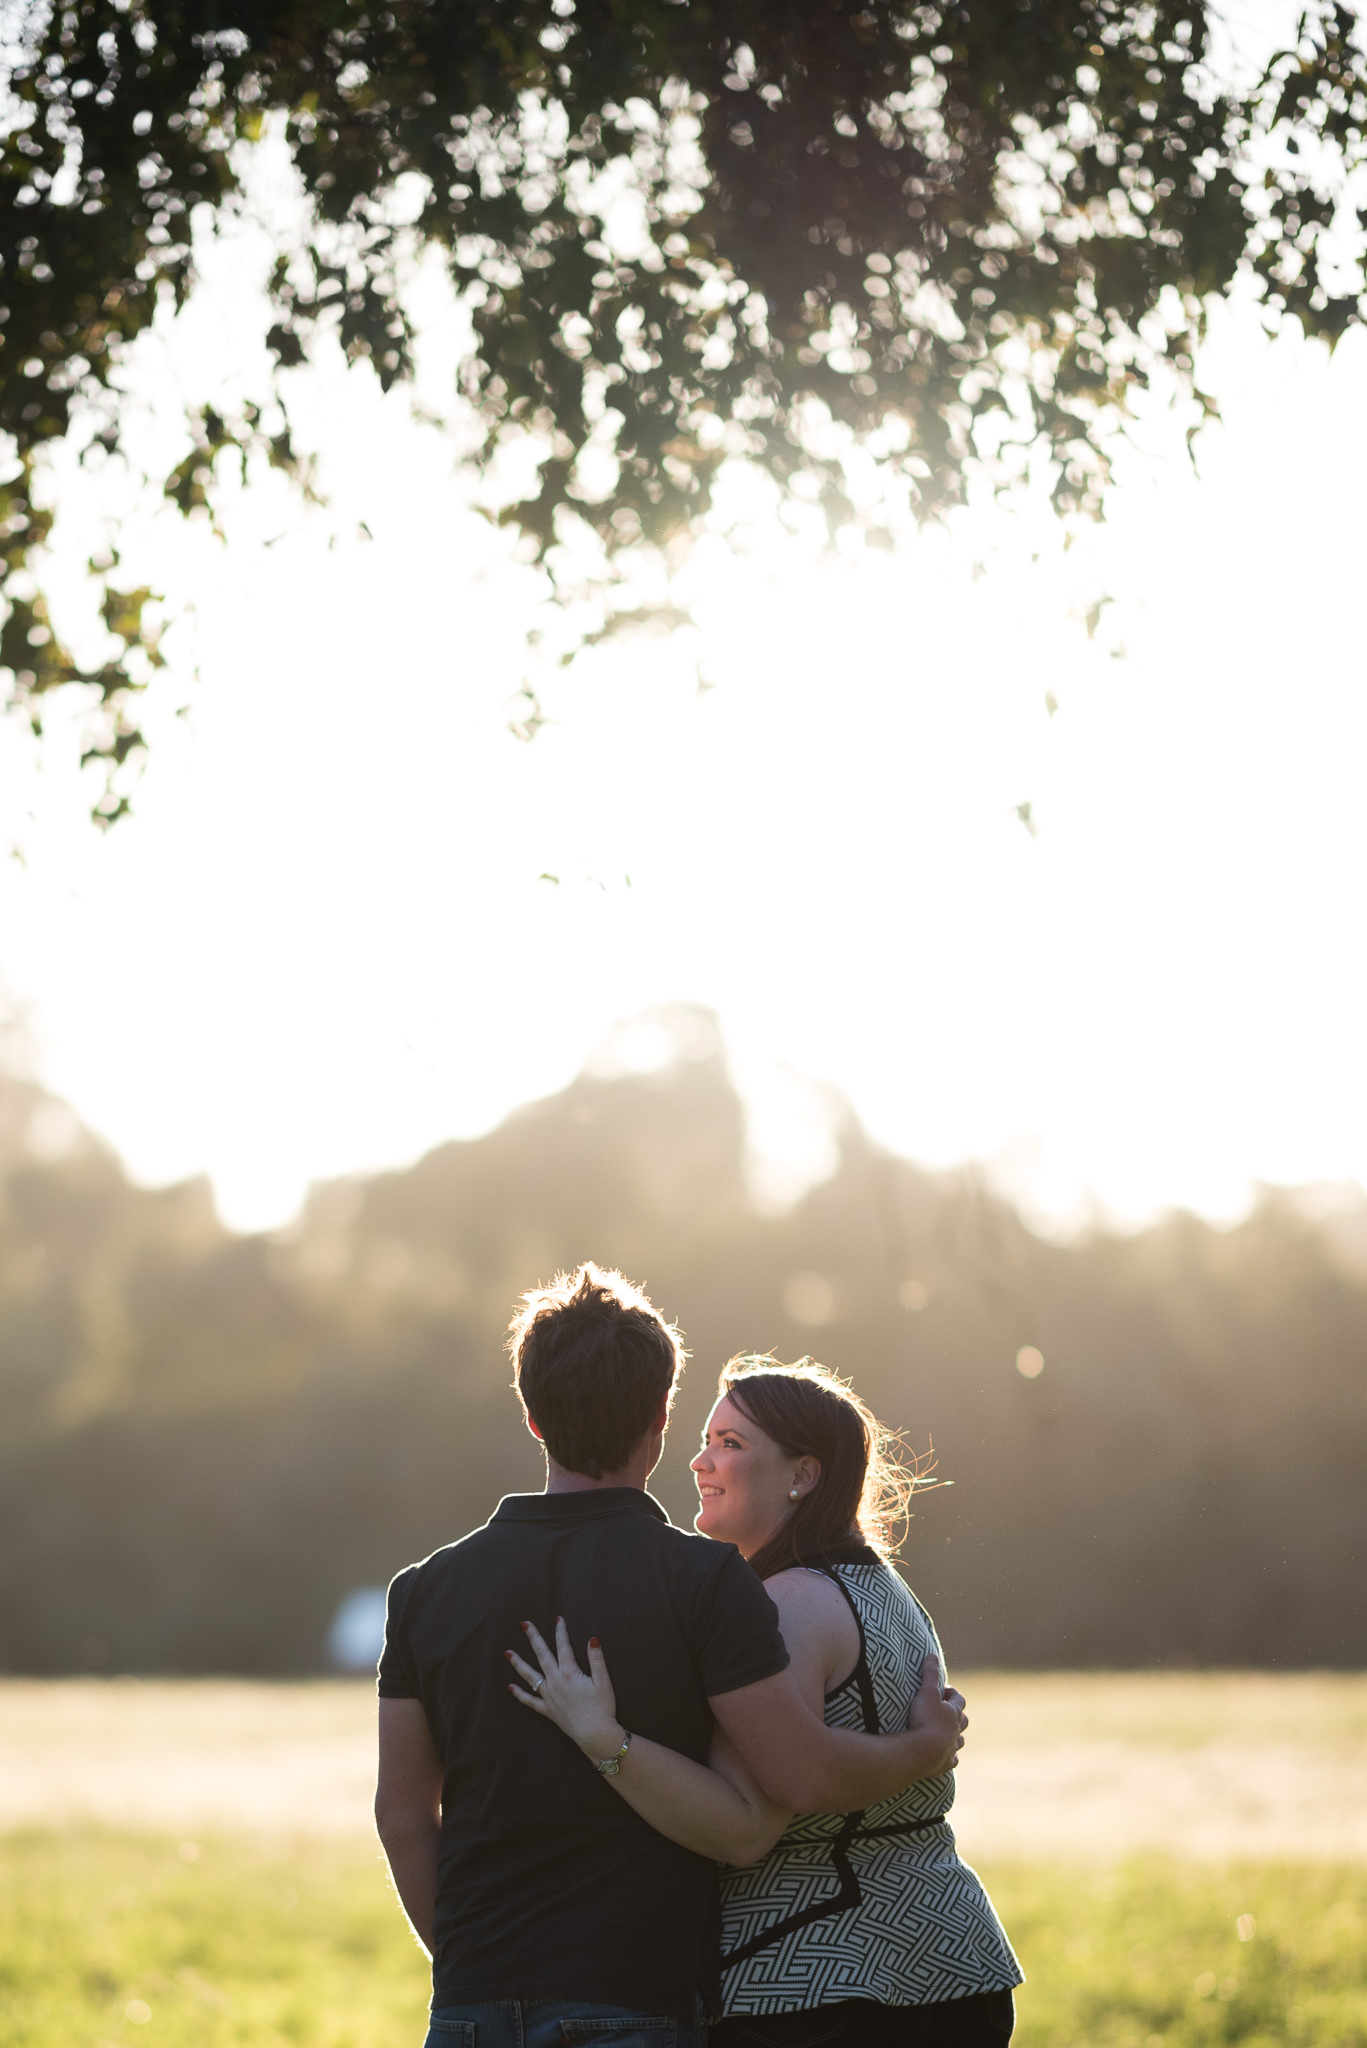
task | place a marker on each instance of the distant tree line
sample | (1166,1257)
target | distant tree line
(209,1439)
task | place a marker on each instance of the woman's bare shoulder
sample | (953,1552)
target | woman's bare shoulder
(821,1633)
(801,1594)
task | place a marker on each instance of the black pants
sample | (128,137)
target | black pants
(984,2020)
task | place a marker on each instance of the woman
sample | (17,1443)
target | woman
(859,1928)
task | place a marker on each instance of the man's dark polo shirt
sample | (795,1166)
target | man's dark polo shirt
(548,1885)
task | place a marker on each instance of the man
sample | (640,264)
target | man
(552,1913)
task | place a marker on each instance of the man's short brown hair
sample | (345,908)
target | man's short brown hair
(592,1362)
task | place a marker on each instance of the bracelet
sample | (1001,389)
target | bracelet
(609,1766)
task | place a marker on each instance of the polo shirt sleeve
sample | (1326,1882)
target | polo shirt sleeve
(738,1634)
(398,1678)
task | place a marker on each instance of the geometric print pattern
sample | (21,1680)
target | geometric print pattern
(866,1905)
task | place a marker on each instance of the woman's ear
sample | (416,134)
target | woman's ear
(531,1424)
(806,1475)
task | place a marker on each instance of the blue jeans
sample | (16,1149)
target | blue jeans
(558,2023)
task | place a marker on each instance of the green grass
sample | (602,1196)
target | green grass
(1150,1954)
(118,1939)
(279,1946)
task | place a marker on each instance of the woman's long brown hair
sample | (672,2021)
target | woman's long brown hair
(858,1507)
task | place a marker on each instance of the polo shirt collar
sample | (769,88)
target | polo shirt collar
(591,1505)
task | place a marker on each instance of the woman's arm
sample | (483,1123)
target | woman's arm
(716,1809)
(777,1725)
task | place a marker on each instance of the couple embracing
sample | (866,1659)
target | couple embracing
(653,1790)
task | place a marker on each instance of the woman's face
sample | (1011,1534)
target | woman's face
(745,1481)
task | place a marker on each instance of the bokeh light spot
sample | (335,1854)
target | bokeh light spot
(810,1298)
(356,1637)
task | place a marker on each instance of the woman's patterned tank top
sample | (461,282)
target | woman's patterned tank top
(866,1905)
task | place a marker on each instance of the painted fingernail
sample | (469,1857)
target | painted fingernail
(526,1624)
(594,1643)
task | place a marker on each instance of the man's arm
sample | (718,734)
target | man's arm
(802,1764)
(408,1810)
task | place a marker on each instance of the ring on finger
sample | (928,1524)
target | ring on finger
(537,1684)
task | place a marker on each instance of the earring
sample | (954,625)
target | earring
(792,1493)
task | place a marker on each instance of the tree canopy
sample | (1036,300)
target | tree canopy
(959,235)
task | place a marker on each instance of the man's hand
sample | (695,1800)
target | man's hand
(801,1764)
(938,1711)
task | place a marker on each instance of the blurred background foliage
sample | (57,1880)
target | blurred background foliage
(211,1439)
(961,237)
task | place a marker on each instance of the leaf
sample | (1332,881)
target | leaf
(821,264)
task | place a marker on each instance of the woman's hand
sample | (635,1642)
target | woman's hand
(581,1703)
(718,1812)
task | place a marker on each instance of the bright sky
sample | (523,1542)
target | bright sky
(322,943)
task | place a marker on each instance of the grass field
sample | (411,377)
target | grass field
(1071,1766)
(250,1907)
(117,1939)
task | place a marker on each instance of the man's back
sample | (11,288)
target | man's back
(549,1887)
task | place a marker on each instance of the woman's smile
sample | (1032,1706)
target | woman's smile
(761,1483)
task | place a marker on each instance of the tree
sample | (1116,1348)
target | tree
(209,1440)
(958,234)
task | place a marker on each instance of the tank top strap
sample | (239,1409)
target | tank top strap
(861,1678)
